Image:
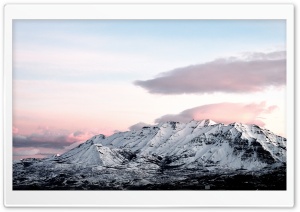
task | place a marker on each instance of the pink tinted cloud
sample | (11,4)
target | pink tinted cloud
(44,137)
(15,130)
(251,74)
(224,113)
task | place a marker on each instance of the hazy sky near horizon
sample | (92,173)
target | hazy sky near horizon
(73,79)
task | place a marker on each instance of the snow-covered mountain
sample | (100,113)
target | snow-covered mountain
(192,145)
(169,156)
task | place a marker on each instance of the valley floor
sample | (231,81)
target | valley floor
(75,177)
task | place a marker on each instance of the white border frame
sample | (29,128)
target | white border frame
(147,198)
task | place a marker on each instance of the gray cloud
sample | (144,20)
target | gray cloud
(253,73)
(78,132)
(36,141)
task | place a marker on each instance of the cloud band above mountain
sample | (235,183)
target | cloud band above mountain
(251,73)
(223,113)
(138,126)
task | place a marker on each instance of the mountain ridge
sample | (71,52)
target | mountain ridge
(202,143)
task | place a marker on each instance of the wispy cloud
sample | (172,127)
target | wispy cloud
(223,113)
(138,126)
(254,72)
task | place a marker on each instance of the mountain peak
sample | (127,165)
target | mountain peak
(207,122)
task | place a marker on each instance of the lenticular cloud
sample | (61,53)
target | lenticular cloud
(251,73)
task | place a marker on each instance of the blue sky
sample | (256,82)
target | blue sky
(185,41)
(254,30)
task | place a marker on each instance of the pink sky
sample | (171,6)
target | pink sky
(73,80)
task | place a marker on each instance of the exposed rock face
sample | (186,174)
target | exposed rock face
(170,149)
